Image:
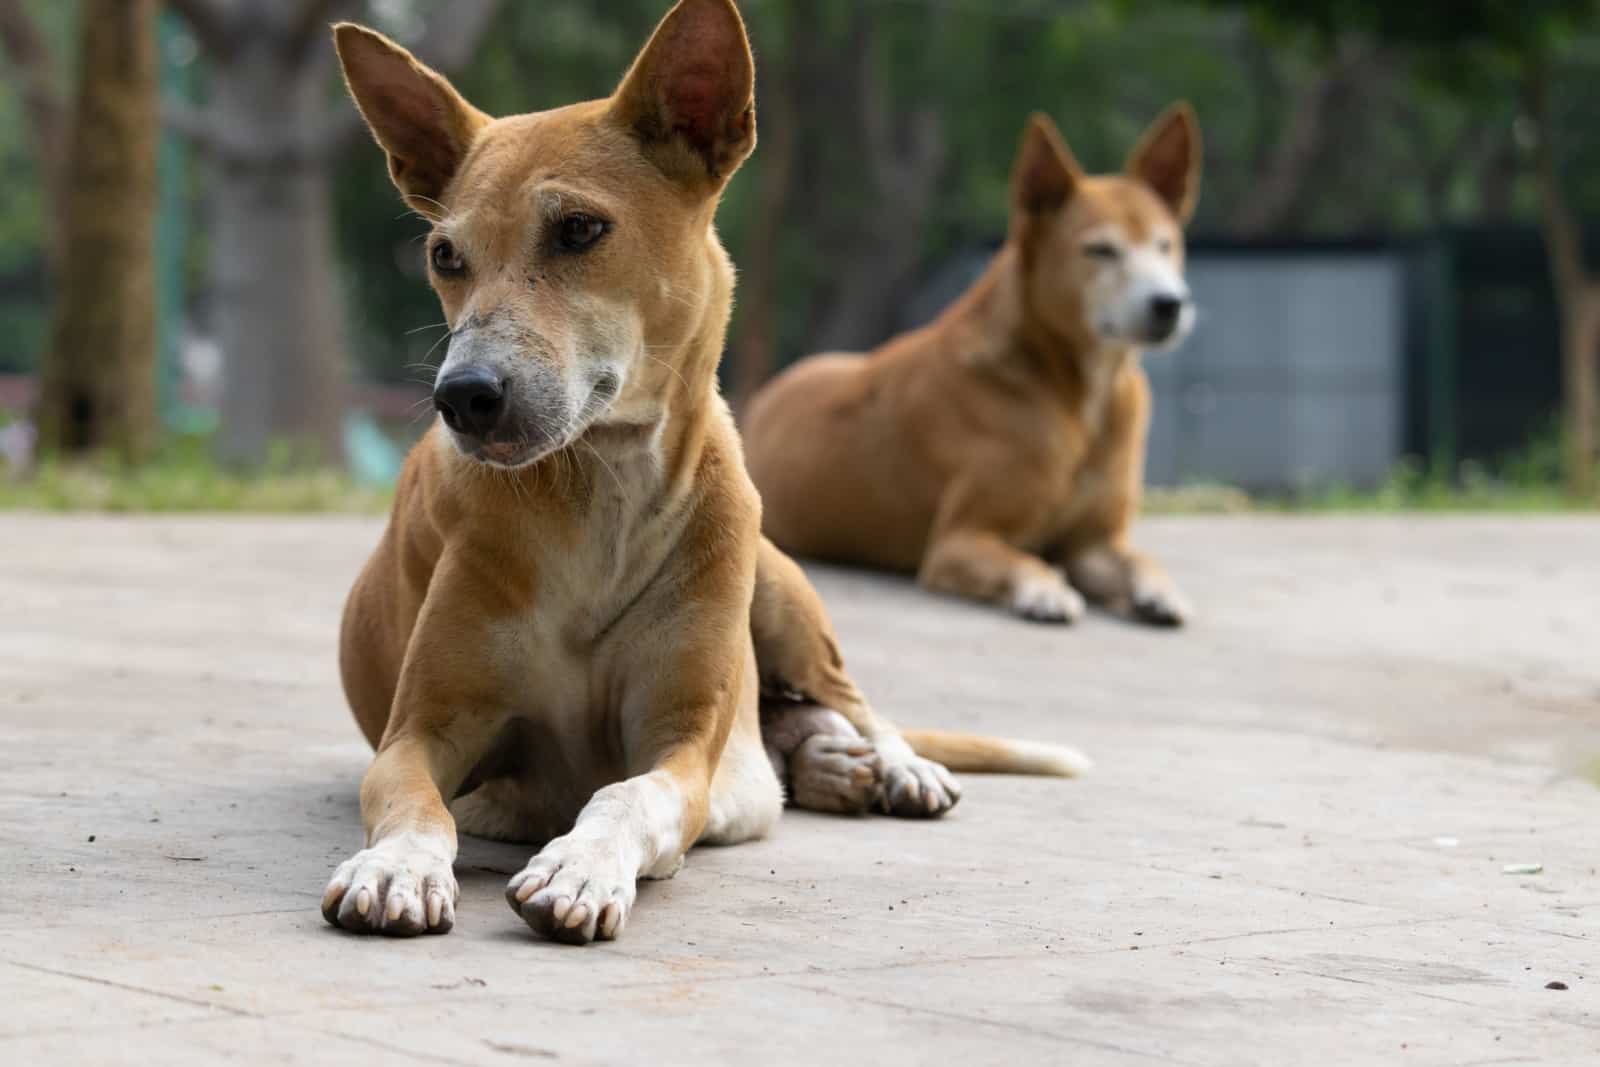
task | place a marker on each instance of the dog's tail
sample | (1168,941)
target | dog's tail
(971,754)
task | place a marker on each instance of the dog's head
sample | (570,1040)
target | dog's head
(573,249)
(1103,255)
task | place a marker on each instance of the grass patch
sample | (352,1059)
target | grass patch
(1197,500)
(1527,482)
(185,480)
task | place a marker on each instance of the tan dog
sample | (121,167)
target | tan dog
(557,639)
(1004,444)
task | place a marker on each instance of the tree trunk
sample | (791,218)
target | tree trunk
(275,297)
(1577,292)
(904,157)
(276,303)
(98,389)
(1580,367)
(271,139)
(276,315)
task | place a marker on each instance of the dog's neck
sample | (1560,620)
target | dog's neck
(1027,349)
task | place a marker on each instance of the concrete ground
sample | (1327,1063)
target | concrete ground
(1293,851)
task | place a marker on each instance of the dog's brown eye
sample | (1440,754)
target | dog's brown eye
(1102,250)
(579,233)
(446,260)
(1164,246)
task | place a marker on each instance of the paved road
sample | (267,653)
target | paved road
(1292,853)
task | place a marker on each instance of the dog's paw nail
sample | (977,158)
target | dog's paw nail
(331,898)
(566,883)
(400,887)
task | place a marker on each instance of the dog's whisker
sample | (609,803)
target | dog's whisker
(676,373)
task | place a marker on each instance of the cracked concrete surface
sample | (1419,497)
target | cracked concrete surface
(1292,852)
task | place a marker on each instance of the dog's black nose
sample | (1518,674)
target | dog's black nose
(1165,310)
(471,400)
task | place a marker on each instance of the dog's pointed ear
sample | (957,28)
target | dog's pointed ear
(1046,173)
(416,115)
(1168,159)
(690,96)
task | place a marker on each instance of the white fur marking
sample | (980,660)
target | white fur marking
(1047,598)
(582,885)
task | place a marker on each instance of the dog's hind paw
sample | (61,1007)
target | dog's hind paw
(401,887)
(835,773)
(575,891)
(919,789)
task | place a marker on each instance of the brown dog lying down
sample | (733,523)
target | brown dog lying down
(1004,444)
(559,636)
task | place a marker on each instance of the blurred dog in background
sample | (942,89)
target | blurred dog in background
(999,452)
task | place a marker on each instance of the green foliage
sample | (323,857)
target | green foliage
(24,316)
(1433,24)
(1529,479)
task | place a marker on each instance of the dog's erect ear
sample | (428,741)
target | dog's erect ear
(690,96)
(1168,159)
(1046,172)
(416,115)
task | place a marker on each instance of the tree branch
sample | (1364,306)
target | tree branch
(1562,236)
(210,22)
(1301,142)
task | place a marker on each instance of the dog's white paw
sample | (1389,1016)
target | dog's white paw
(1159,603)
(918,788)
(575,891)
(401,887)
(1046,598)
(836,773)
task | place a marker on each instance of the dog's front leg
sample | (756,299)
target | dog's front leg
(443,720)
(686,673)
(402,884)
